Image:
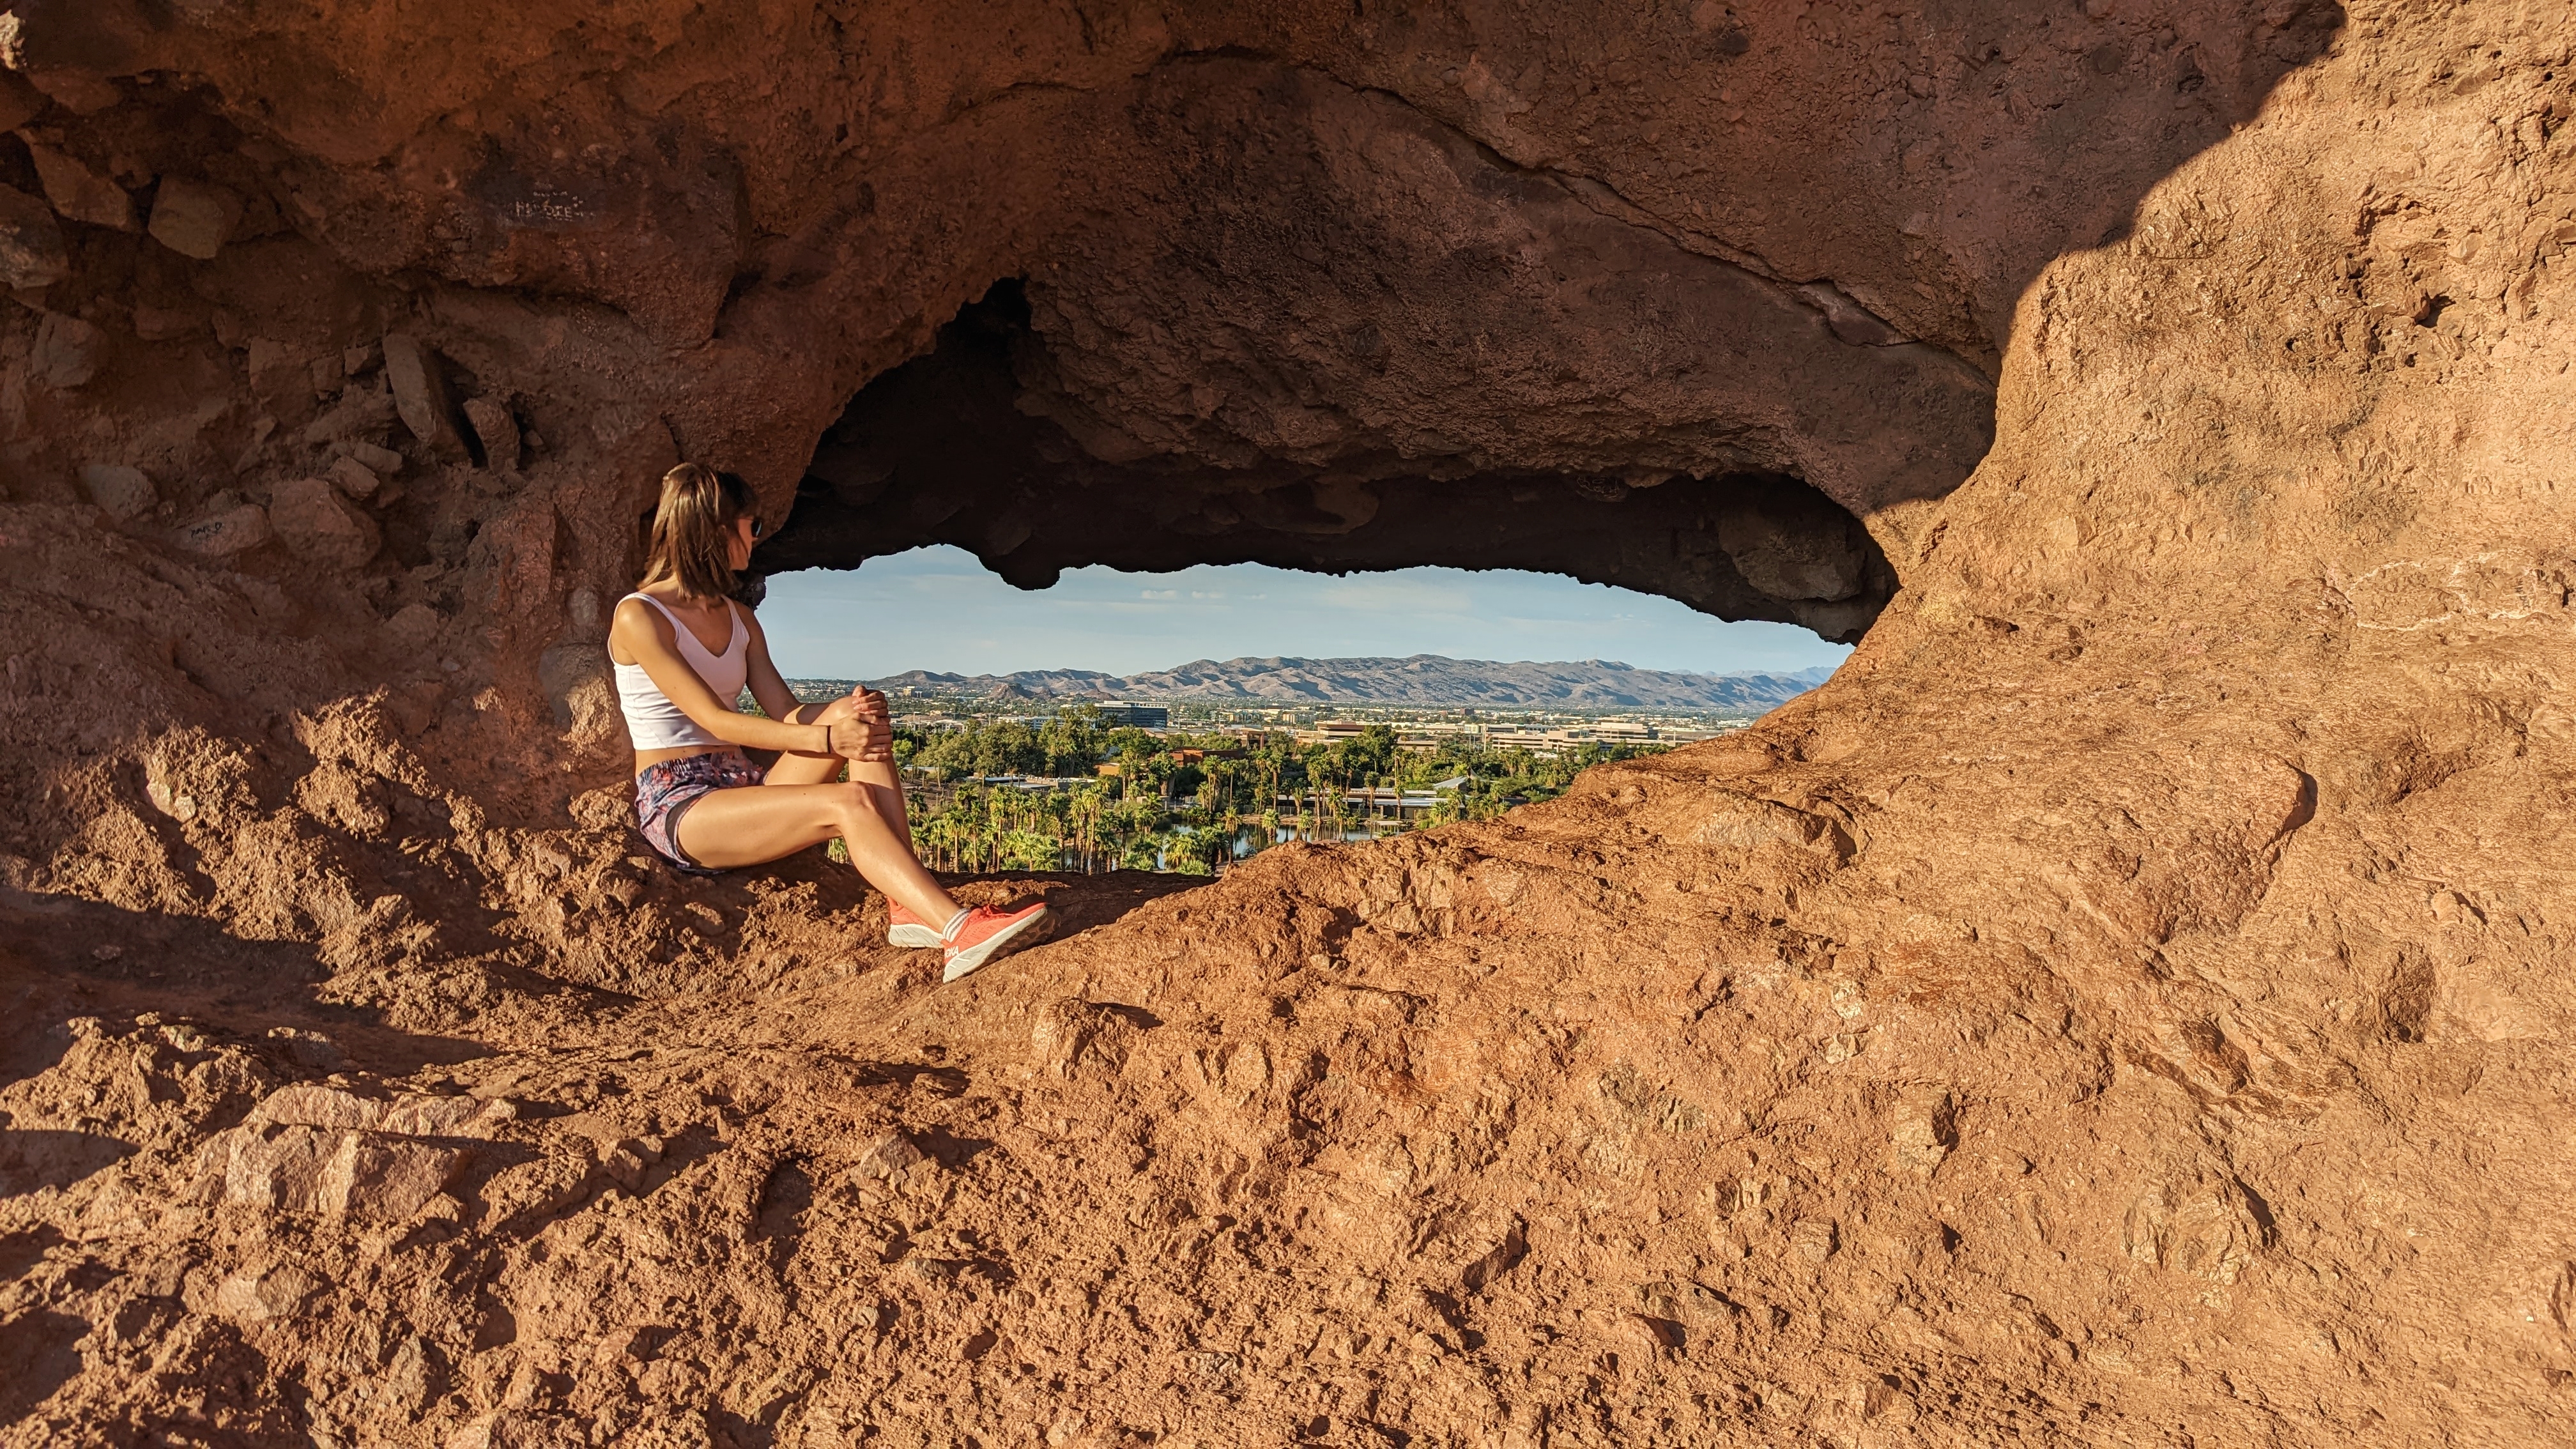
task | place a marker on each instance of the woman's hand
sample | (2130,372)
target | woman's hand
(862,728)
(857,736)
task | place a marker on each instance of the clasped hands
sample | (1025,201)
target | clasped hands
(862,726)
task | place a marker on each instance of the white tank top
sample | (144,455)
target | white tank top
(652,721)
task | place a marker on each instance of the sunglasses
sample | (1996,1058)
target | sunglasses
(757,528)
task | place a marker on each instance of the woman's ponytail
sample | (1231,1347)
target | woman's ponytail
(690,547)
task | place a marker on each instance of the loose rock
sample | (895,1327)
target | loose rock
(1814,1239)
(382,460)
(81,194)
(273,1293)
(418,1116)
(68,351)
(19,101)
(1923,1129)
(32,251)
(194,218)
(889,1155)
(375,1176)
(354,478)
(499,433)
(312,519)
(360,411)
(420,392)
(234,530)
(80,94)
(123,493)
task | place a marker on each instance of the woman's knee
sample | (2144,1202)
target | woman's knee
(856,808)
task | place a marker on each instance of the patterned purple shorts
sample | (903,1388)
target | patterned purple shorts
(664,793)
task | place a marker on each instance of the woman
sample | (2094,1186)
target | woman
(684,650)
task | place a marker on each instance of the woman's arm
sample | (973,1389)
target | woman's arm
(776,699)
(640,631)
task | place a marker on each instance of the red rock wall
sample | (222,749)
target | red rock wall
(2124,1006)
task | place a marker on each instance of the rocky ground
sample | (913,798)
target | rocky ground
(2127,1005)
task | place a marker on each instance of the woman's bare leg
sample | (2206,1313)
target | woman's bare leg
(885,788)
(883,781)
(797,768)
(724,829)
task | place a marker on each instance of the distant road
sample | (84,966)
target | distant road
(1420,680)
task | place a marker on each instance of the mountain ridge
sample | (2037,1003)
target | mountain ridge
(1417,679)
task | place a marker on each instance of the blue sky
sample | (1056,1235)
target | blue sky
(938,609)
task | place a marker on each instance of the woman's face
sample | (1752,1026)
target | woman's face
(738,541)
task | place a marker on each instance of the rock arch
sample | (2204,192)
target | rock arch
(2144,957)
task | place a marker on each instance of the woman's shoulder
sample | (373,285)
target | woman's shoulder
(636,611)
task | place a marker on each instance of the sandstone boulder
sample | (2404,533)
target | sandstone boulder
(194,218)
(2202,1226)
(410,1115)
(374,1176)
(32,252)
(387,1178)
(274,1168)
(80,193)
(320,526)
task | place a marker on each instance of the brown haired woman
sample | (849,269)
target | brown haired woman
(684,650)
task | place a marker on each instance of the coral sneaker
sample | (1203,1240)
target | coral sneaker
(986,933)
(903,928)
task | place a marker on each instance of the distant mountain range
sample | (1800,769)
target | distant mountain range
(1421,679)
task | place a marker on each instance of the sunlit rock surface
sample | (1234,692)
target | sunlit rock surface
(2126,1005)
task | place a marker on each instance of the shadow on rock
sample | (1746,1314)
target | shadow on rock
(37,1356)
(34,1160)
